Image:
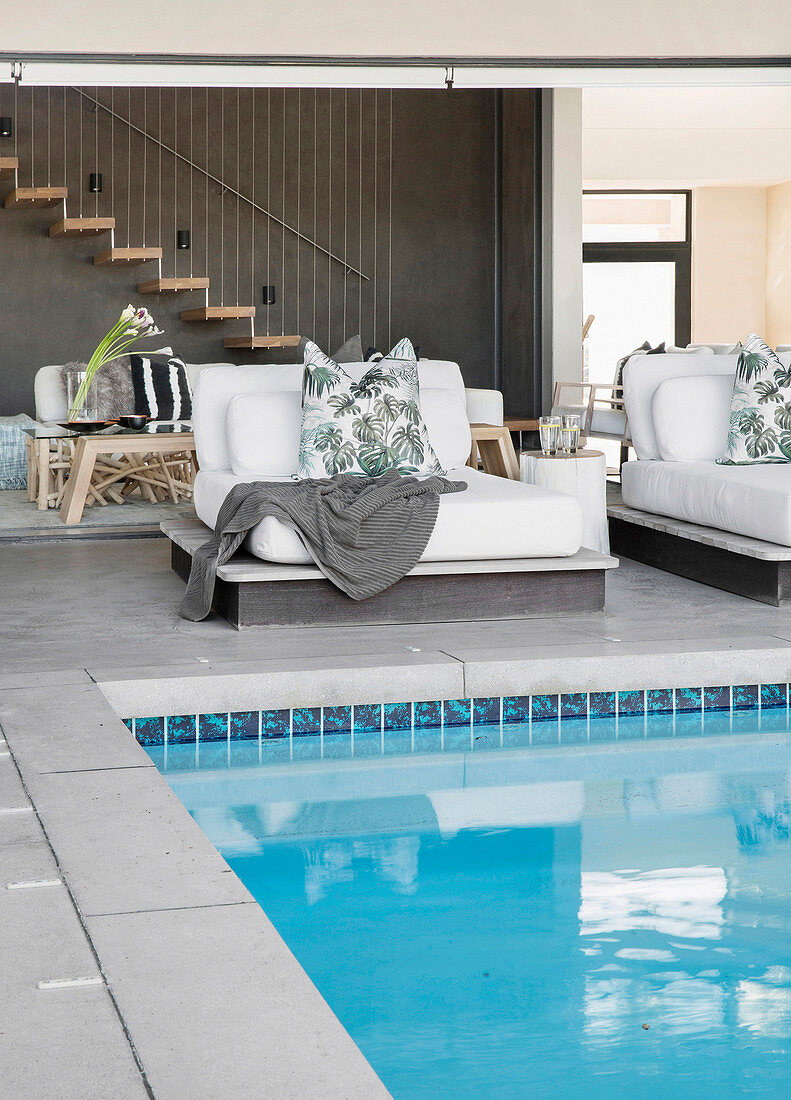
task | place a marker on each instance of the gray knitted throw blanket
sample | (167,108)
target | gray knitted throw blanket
(364,533)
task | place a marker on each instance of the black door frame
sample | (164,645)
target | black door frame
(676,252)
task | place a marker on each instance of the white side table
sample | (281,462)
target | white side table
(582,475)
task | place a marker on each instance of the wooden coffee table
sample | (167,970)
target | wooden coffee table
(161,464)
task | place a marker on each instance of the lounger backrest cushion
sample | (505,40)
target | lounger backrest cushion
(641,376)
(690,417)
(263,431)
(218,386)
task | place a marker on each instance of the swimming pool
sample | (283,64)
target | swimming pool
(518,919)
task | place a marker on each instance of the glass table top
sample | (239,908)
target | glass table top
(57,431)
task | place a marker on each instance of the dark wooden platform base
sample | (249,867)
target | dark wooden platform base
(447,597)
(758,579)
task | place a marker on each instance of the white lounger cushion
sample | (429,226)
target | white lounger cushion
(747,500)
(263,434)
(218,387)
(494,518)
(262,431)
(641,376)
(691,417)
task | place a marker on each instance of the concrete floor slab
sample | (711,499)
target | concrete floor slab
(58,950)
(24,855)
(12,793)
(108,828)
(20,520)
(66,1044)
(53,729)
(273,1035)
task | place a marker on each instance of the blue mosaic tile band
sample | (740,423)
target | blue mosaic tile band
(451,720)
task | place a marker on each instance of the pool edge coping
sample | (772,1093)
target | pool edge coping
(329,1062)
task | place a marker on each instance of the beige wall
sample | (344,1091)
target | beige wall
(686,136)
(778,264)
(566,237)
(425,28)
(728,263)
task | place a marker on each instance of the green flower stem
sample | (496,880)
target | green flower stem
(112,347)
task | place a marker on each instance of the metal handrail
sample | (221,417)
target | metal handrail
(225,186)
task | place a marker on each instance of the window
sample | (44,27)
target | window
(637,273)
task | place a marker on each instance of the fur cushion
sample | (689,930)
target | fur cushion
(113,386)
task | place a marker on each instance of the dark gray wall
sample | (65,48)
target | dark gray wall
(402,185)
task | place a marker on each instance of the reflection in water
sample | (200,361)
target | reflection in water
(675,901)
(394,860)
(582,937)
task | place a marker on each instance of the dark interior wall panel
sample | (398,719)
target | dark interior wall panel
(521,253)
(400,185)
(443,217)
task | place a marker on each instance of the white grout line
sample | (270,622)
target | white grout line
(35,884)
(16,810)
(69,983)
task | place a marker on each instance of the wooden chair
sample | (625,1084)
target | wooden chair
(601,409)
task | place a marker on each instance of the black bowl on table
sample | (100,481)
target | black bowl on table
(134,420)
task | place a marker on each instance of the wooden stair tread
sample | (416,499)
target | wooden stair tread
(8,166)
(251,342)
(28,198)
(127,255)
(218,313)
(77,227)
(172,286)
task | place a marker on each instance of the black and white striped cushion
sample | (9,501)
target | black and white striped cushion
(162,389)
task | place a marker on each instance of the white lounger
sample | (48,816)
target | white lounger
(501,549)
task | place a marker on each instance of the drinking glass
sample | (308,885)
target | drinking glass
(549,431)
(570,433)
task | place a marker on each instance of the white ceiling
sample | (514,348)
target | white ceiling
(738,136)
(402,28)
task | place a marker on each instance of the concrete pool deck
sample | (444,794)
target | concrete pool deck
(194,993)
(183,987)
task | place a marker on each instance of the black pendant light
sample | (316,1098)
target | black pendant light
(269,295)
(6,126)
(95,183)
(182,238)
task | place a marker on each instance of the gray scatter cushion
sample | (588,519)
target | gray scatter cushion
(349,352)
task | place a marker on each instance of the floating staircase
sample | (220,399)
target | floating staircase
(30,198)
(252,342)
(218,313)
(127,256)
(172,286)
(79,227)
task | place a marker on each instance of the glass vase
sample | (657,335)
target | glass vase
(81,398)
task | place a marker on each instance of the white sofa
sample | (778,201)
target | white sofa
(50,396)
(246,422)
(678,408)
(483,406)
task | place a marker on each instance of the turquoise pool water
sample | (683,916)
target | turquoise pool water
(566,921)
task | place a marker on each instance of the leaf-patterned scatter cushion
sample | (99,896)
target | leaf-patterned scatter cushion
(759,429)
(363,427)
